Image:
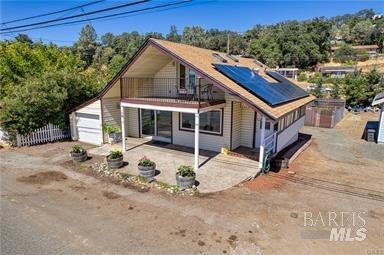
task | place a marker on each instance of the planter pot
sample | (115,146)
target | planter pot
(79,157)
(281,163)
(115,163)
(185,182)
(114,138)
(147,171)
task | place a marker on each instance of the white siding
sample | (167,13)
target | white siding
(236,125)
(114,91)
(111,112)
(93,108)
(207,141)
(380,135)
(86,124)
(247,126)
(167,71)
(289,135)
(132,122)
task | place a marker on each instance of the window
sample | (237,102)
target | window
(267,125)
(182,76)
(302,110)
(210,122)
(191,79)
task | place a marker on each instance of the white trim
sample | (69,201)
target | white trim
(213,107)
(197,126)
(123,127)
(262,140)
(160,108)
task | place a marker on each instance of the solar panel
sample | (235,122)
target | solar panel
(271,93)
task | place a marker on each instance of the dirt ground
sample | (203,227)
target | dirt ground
(339,172)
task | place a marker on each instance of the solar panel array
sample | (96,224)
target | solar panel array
(272,93)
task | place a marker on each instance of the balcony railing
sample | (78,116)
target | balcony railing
(170,90)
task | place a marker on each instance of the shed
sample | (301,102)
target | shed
(379,101)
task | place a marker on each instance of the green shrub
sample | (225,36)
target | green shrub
(302,77)
(77,149)
(185,171)
(144,161)
(114,154)
(110,129)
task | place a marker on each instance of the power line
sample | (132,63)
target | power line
(101,17)
(76,16)
(52,13)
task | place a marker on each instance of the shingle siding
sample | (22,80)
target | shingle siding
(111,112)
(247,126)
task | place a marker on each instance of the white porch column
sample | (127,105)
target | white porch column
(122,115)
(262,134)
(197,125)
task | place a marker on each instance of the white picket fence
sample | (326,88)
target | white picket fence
(48,133)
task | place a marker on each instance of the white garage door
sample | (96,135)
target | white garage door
(89,128)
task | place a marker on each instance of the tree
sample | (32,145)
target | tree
(335,93)
(319,88)
(194,35)
(38,101)
(173,35)
(344,54)
(107,39)
(266,50)
(345,32)
(23,38)
(86,45)
(362,32)
(117,62)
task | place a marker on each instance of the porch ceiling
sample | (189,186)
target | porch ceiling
(148,63)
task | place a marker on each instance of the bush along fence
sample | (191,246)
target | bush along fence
(48,133)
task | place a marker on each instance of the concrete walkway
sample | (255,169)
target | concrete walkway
(217,172)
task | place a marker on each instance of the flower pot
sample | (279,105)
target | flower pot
(114,137)
(115,163)
(185,182)
(79,157)
(147,171)
(281,163)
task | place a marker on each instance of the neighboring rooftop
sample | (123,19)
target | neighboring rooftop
(358,47)
(379,99)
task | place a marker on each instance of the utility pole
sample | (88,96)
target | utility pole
(228,44)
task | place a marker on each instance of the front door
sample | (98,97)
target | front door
(156,125)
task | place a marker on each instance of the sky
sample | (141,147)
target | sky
(233,15)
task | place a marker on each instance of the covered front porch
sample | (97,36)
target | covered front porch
(216,171)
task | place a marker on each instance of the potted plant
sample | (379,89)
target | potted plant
(113,131)
(147,168)
(185,176)
(115,159)
(78,153)
(225,150)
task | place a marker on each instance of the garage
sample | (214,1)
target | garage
(86,123)
(89,128)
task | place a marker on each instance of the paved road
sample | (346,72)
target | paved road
(20,235)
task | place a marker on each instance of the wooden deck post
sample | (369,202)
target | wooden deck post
(197,127)
(262,141)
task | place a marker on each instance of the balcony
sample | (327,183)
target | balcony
(170,92)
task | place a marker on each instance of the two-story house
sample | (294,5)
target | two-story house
(185,95)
